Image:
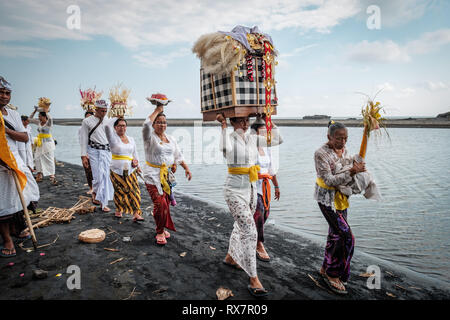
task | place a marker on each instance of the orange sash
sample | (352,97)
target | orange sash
(266,194)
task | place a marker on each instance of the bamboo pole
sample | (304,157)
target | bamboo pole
(25,210)
(363,149)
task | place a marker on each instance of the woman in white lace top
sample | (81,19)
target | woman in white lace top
(240,149)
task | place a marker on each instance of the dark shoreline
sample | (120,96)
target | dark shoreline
(160,273)
(390,123)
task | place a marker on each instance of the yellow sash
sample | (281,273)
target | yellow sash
(340,200)
(40,136)
(120,157)
(252,171)
(163,175)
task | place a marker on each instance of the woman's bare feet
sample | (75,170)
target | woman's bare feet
(106,209)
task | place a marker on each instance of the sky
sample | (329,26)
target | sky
(329,52)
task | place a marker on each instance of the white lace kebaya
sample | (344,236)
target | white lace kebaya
(335,172)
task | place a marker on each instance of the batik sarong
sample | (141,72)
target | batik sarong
(127,195)
(340,244)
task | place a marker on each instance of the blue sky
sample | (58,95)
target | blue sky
(326,52)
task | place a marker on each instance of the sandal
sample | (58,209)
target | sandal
(161,239)
(118,215)
(257,292)
(106,209)
(138,219)
(7,255)
(53,181)
(166,234)
(38,178)
(260,257)
(336,287)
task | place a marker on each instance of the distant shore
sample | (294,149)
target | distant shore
(350,122)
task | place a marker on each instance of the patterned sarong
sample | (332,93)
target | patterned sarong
(127,195)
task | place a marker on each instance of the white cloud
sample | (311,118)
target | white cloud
(8,50)
(151,60)
(385,87)
(390,51)
(135,23)
(378,51)
(435,86)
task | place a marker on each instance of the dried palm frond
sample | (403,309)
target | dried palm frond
(119,102)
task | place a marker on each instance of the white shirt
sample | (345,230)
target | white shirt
(265,162)
(243,152)
(98,136)
(13,117)
(120,148)
(158,152)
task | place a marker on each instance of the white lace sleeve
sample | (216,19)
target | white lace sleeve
(324,171)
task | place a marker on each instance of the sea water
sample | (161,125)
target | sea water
(409,227)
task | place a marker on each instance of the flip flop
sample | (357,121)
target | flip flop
(258,255)
(137,220)
(257,292)
(117,216)
(330,285)
(166,234)
(233,265)
(4,255)
(161,240)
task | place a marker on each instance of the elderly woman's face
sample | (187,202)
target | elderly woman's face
(339,139)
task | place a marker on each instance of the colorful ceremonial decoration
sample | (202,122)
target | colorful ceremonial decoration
(372,121)
(118,97)
(237,74)
(159,98)
(88,98)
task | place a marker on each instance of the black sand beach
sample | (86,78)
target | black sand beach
(148,271)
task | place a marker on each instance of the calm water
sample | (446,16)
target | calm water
(409,227)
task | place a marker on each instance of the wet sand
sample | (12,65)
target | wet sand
(160,273)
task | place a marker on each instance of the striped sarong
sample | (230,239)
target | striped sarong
(127,194)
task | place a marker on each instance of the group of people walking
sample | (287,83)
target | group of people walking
(112,168)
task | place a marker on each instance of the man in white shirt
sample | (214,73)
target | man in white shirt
(96,152)
(11,214)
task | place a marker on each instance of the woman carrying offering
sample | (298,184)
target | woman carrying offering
(127,195)
(161,153)
(240,150)
(339,175)
(266,173)
(44,156)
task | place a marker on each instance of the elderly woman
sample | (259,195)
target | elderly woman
(161,153)
(127,195)
(44,156)
(240,150)
(336,170)
(12,221)
(266,174)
